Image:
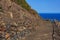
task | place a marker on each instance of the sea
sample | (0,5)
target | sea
(51,16)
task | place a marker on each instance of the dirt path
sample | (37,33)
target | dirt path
(43,33)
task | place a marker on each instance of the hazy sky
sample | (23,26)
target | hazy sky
(45,6)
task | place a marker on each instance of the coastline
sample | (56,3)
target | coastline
(50,16)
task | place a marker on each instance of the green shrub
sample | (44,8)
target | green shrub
(22,3)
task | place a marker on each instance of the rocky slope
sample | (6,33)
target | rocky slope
(19,23)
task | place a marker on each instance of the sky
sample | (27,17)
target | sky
(45,6)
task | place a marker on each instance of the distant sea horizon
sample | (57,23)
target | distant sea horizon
(50,16)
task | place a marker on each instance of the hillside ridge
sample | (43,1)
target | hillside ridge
(19,22)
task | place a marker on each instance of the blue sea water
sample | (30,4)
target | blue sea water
(50,16)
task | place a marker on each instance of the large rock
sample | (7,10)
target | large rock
(17,23)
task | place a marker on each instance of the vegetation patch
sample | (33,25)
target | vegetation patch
(22,3)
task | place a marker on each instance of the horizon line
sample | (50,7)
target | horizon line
(51,13)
